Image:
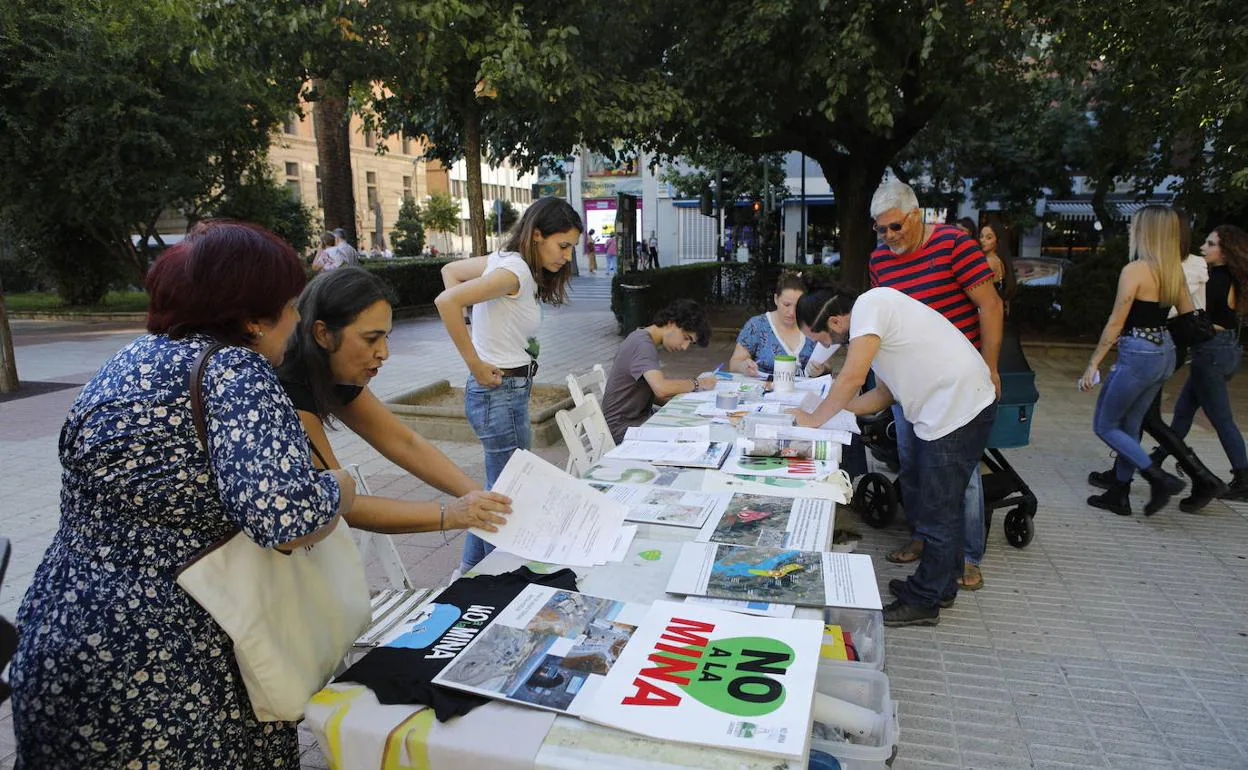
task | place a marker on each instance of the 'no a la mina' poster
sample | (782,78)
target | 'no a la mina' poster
(715,678)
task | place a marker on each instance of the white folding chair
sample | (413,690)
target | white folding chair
(585,431)
(387,551)
(594,381)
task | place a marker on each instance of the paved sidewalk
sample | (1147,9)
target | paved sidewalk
(1108,642)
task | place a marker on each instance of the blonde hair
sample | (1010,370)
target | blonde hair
(1155,237)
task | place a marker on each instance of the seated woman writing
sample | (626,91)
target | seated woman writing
(774,333)
(339,346)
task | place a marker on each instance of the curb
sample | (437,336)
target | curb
(52,315)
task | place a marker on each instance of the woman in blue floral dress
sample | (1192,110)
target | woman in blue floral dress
(772,334)
(117,667)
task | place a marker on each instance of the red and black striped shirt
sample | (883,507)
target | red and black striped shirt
(940,273)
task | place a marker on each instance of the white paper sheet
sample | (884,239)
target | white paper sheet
(806,399)
(657,451)
(697,433)
(701,396)
(556,519)
(710,410)
(762,609)
(843,420)
(622,541)
(775,431)
(661,505)
(836,488)
(818,385)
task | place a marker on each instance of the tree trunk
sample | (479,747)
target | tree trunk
(333,152)
(1104,181)
(853,182)
(472,163)
(8,363)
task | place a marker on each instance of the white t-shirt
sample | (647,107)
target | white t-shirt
(501,327)
(934,372)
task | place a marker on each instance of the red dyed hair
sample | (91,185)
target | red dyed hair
(223,275)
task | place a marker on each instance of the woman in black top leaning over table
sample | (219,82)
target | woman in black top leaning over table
(1148,286)
(339,346)
(1215,361)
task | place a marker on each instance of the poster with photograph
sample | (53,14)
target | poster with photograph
(779,575)
(772,522)
(549,648)
(705,676)
(660,505)
(635,472)
(784,467)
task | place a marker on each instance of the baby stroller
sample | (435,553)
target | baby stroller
(877,497)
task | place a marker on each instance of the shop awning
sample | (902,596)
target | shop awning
(1076,210)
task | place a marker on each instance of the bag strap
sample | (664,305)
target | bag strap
(197,392)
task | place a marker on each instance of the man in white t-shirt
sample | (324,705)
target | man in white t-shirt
(924,364)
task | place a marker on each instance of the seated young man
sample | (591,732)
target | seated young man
(925,364)
(635,383)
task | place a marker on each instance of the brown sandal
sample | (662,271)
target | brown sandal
(972,577)
(907,554)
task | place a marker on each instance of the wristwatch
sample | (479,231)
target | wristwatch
(697,386)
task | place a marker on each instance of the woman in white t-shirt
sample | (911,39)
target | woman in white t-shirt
(506,290)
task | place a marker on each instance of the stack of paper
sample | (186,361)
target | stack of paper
(696,434)
(556,518)
(690,454)
(779,467)
(710,410)
(661,505)
(781,575)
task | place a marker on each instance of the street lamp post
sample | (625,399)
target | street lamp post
(569,166)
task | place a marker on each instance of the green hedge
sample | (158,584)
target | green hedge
(711,284)
(416,282)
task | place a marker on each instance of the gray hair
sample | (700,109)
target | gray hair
(893,194)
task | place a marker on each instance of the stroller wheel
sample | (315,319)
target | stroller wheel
(1018,527)
(875,499)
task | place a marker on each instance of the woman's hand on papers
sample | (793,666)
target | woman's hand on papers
(802,418)
(480,509)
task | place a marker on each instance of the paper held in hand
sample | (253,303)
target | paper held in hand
(555,519)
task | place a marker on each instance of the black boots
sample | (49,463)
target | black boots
(1161,486)
(1103,479)
(1238,490)
(1117,497)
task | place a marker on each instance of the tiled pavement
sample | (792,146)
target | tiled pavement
(1108,642)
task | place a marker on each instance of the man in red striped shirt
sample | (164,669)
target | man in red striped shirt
(945,269)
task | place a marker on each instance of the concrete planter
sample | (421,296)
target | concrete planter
(436,411)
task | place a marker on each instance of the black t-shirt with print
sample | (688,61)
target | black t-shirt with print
(404,674)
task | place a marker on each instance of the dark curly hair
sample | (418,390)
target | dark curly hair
(816,306)
(688,317)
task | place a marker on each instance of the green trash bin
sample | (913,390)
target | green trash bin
(633,313)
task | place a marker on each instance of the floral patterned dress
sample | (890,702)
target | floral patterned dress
(758,337)
(117,666)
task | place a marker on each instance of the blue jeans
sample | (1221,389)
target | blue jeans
(610,263)
(1129,389)
(935,483)
(500,418)
(975,536)
(1214,362)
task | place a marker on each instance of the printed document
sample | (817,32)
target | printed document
(555,519)
(697,433)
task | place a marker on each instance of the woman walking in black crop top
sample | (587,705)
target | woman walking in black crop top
(1147,287)
(1216,360)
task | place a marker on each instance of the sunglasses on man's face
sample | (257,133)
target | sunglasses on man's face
(894,226)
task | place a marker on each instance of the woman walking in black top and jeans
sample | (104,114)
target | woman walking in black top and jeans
(1215,361)
(1147,287)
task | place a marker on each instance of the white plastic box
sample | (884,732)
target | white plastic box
(866,630)
(868,689)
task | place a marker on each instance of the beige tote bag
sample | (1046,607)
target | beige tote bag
(292,617)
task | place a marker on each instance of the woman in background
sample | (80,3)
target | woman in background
(774,333)
(507,290)
(1215,361)
(1148,286)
